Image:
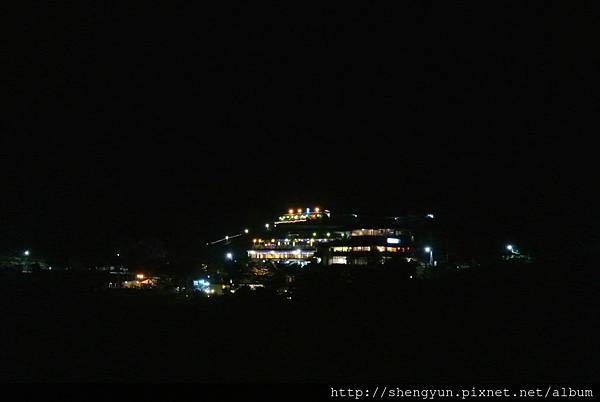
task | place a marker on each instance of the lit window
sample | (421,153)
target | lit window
(339,259)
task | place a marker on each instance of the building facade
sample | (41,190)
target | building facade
(303,236)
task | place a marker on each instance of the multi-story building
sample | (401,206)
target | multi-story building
(303,235)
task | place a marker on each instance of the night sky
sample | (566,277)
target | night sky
(185,123)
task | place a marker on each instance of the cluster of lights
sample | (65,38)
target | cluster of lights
(286,241)
(301,215)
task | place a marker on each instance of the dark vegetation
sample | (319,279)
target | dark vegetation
(503,322)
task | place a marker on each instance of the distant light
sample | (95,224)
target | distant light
(299,210)
(118,255)
(298,251)
(430,216)
(291,211)
(246,231)
(314,234)
(392,240)
(26,253)
(267,225)
(317,209)
(140,276)
(226,237)
(229,256)
(328,234)
(509,247)
(427,249)
(307,211)
(410,277)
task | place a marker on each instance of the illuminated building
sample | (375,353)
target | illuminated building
(304,235)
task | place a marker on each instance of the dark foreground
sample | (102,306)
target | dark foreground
(520,323)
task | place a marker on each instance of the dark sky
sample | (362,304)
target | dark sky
(185,123)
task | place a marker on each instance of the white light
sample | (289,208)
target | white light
(427,249)
(26,253)
(509,247)
(118,255)
(267,225)
(246,231)
(298,251)
(430,216)
(229,256)
(392,240)
(226,237)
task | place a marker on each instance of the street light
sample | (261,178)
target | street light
(512,249)
(246,231)
(26,263)
(229,256)
(267,225)
(430,251)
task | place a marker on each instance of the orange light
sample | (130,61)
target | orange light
(317,209)
(140,276)
(291,211)
(299,210)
